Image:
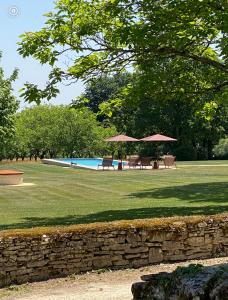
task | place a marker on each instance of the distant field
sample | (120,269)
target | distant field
(63,196)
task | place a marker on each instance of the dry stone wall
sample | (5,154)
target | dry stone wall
(33,255)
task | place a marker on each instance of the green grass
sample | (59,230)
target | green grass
(70,196)
(13,290)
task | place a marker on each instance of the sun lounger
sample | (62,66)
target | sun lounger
(133,162)
(106,163)
(145,162)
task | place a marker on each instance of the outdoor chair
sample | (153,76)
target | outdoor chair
(106,163)
(133,162)
(169,161)
(145,162)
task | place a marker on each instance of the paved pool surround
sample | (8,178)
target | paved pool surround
(79,164)
(43,253)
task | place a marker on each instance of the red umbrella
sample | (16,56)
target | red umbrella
(121,138)
(158,138)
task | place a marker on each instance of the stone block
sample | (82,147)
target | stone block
(75,243)
(136,250)
(121,263)
(175,257)
(102,261)
(22,258)
(115,240)
(171,245)
(132,238)
(10,268)
(153,244)
(131,256)
(137,263)
(155,255)
(114,247)
(39,263)
(21,271)
(117,258)
(59,266)
(158,236)
(195,241)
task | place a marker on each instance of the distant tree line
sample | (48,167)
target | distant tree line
(112,105)
(79,130)
(57,131)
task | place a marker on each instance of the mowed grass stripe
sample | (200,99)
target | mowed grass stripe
(70,196)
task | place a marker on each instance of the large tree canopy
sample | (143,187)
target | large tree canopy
(100,90)
(168,99)
(105,36)
(8,107)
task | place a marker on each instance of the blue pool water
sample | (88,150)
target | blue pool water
(86,162)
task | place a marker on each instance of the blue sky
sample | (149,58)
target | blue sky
(16,17)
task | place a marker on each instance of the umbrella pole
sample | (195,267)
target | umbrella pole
(120,166)
(156,163)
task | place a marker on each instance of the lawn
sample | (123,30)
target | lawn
(70,196)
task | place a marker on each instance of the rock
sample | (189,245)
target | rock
(194,282)
(146,292)
(220,290)
(155,255)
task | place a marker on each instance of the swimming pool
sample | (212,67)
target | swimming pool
(87,163)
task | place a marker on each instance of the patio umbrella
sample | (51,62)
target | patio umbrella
(158,138)
(121,138)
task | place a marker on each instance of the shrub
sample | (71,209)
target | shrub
(221,149)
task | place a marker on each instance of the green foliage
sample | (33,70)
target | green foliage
(103,37)
(158,100)
(188,272)
(50,131)
(8,107)
(169,283)
(100,90)
(221,149)
(176,50)
(19,288)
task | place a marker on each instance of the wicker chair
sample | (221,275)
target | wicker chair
(169,161)
(133,161)
(145,162)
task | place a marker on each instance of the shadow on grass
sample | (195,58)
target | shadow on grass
(196,192)
(114,215)
(216,192)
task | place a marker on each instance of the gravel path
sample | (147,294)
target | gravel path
(109,285)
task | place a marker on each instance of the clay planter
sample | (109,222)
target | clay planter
(11,177)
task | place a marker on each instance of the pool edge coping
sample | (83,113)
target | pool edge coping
(68,164)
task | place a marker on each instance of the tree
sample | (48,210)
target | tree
(8,107)
(97,37)
(101,90)
(36,131)
(221,149)
(52,131)
(164,99)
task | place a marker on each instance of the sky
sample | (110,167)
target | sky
(17,17)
